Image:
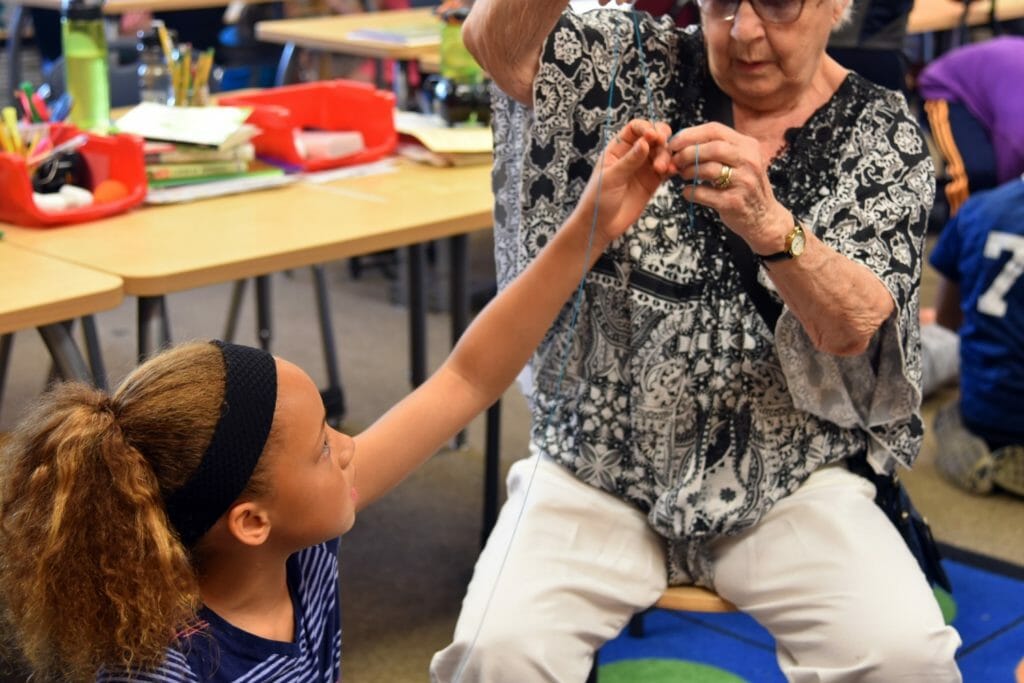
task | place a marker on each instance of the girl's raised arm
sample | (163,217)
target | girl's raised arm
(501,339)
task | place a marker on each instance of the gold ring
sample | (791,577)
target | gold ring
(724,177)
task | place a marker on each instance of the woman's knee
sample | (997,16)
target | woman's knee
(904,651)
(507,652)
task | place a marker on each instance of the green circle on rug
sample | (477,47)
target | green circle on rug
(664,671)
(946,603)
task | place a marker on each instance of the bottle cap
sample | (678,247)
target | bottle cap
(81,9)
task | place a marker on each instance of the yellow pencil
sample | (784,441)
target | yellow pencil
(203,67)
(11,122)
(35,143)
(5,139)
(165,42)
(186,74)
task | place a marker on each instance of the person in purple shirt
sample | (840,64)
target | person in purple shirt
(972,87)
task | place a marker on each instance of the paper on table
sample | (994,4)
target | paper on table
(216,188)
(414,34)
(220,127)
(438,137)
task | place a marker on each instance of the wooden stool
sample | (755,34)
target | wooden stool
(679,599)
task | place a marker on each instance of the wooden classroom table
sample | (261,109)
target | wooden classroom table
(331,34)
(932,16)
(162,249)
(43,292)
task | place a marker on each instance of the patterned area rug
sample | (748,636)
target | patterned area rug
(987,608)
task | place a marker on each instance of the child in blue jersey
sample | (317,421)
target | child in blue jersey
(980,255)
(185,528)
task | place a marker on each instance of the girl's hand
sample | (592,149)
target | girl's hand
(634,164)
(734,182)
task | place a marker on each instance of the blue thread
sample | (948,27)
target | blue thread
(577,299)
(696,173)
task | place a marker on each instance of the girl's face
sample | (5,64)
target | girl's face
(312,495)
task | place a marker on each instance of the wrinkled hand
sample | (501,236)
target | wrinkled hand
(634,164)
(746,203)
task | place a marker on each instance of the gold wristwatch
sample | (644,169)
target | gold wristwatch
(795,243)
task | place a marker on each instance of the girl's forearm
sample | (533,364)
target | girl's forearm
(505,334)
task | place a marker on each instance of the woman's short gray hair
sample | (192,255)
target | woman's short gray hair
(847,13)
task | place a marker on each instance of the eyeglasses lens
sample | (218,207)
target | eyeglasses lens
(771,11)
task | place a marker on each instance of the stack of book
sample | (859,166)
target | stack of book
(430,140)
(198,146)
(169,164)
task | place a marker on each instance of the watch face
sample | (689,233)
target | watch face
(797,246)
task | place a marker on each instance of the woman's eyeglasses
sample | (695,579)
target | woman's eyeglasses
(771,11)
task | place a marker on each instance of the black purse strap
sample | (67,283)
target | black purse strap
(720,109)
(743,260)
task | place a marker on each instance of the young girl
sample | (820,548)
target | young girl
(186,527)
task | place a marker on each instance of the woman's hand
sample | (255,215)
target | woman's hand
(634,164)
(734,182)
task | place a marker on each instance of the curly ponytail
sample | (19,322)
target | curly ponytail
(91,574)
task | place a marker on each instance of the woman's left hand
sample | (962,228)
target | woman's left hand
(734,182)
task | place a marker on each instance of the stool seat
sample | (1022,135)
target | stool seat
(693,599)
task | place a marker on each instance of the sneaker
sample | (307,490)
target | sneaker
(962,458)
(1008,472)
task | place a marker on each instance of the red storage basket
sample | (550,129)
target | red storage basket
(326,105)
(114,157)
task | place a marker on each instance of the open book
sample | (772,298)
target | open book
(220,127)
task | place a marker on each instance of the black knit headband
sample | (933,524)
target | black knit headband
(250,393)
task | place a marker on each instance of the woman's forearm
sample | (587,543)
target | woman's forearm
(840,303)
(506,38)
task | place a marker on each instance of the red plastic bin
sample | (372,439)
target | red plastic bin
(116,157)
(325,105)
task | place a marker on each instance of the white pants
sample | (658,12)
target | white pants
(825,572)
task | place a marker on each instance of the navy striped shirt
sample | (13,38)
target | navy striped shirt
(222,652)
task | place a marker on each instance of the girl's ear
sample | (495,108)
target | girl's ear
(248,522)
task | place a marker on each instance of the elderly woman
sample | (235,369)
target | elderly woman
(698,434)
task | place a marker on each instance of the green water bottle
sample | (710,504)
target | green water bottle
(85,63)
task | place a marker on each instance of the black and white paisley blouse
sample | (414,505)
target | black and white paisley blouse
(677,397)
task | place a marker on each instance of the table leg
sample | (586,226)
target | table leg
(458,295)
(492,471)
(264,322)
(92,349)
(67,359)
(6,342)
(400,83)
(284,65)
(150,309)
(17,18)
(417,314)
(333,396)
(234,309)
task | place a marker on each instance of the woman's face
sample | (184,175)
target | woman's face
(765,66)
(312,496)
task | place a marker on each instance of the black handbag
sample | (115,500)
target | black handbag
(891,496)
